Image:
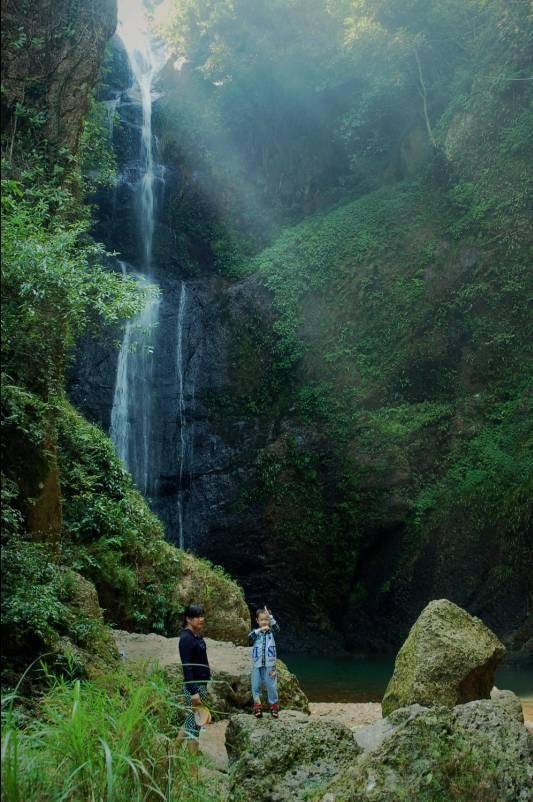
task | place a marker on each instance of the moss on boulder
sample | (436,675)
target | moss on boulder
(478,751)
(227,614)
(284,760)
(449,658)
(88,647)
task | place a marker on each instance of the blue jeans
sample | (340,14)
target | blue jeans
(265,676)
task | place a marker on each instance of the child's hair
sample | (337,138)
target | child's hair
(193,611)
(259,611)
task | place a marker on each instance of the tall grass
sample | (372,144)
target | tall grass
(110,740)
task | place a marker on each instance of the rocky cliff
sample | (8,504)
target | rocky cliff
(51,56)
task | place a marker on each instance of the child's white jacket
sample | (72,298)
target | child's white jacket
(264,646)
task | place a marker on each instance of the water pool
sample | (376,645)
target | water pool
(364,679)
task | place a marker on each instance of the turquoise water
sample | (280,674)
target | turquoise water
(364,679)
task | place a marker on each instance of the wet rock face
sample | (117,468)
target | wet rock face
(203,443)
(218,454)
(59,45)
(449,658)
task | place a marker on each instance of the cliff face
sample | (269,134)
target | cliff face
(353,410)
(51,56)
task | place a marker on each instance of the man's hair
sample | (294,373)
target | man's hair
(193,611)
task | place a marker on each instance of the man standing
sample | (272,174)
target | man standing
(196,673)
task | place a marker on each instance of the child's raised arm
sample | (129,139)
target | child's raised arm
(273,623)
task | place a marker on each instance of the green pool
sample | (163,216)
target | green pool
(364,679)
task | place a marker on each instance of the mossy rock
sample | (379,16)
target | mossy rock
(284,760)
(231,691)
(478,751)
(449,658)
(227,614)
(89,646)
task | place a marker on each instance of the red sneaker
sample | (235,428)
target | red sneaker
(274,711)
(258,711)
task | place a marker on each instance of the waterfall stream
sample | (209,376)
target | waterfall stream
(152,421)
(181,408)
(131,424)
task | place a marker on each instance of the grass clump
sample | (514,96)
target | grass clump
(109,740)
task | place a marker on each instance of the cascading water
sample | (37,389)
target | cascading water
(132,403)
(111,108)
(181,409)
(154,420)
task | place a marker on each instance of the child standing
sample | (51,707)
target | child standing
(264,662)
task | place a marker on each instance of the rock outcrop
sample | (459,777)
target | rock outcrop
(282,761)
(449,658)
(479,750)
(94,648)
(230,689)
(227,615)
(51,55)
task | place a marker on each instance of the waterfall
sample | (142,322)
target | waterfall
(111,108)
(181,409)
(131,413)
(156,449)
(119,431)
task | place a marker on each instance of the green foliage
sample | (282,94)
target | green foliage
(50,611)
(34,596)
(54,286)
(12,521)
(285,108)
(314,270)
(248,98)
(98,161)
(313,521)
(488,479)
(402,315)
(113,538)
(112,739)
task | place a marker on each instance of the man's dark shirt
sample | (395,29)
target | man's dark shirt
(193,655)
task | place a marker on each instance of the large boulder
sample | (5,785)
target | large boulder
(282,761)
(230,689)
(449,658)
(478,751)
(226,611)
